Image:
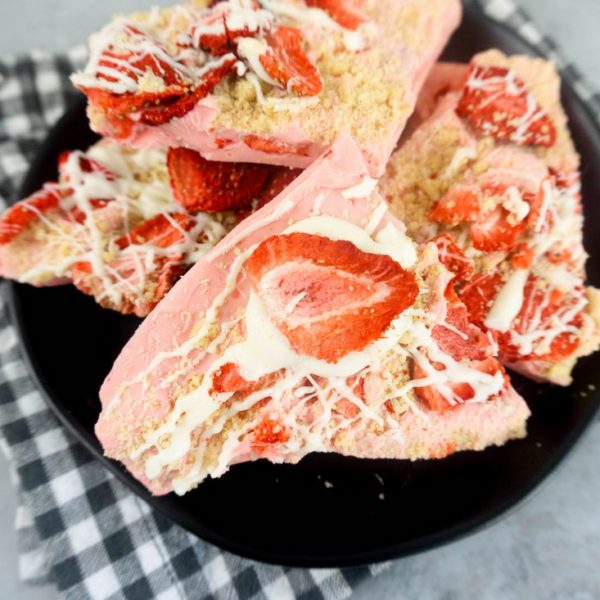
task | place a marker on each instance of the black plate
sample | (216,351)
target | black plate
(286,514)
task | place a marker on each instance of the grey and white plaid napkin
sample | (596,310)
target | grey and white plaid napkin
(78,526)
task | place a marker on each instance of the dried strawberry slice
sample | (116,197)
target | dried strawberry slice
(219,27)
(228,379)
(86,164)
(478,296)
(210,32)
(163,113)
(210,186)
(155,108)
(136,63)
(522,257)
(120,105)
(543,311)
(341,11)
(541,213)
(162,231)
(565,180)
(496,232)
(269,432)
(453,258)
(496,102)
(559,255)
(286,62)
(133,64)
(461,392)
(279,179)
(462,339)
(270,146)
(328,297)
(462,203)
(79,216)
(20,215)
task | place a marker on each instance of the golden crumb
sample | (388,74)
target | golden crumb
(413,180)
(150,82)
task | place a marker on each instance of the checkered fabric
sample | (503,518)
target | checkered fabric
(78,526)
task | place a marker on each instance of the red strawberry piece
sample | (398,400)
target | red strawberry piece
(462,203)
(564,181)
(560,256)
(478,296)
(228,379)
(79,216)
(270,146)
(269,432)
(279,180)
(86,164)
(542,311)
(169,270)
(461,392)
(341,11)
(496,102)
(522,257)
(328,297)
(202,185)
(163,113)
(120,105)
(223,142)
(453,258)
(22,214)
(286,62)
(162,231)
(134,64)
(496,232)
(154,108)
(541,212)
(209,33)
(220,27)
(346,407)
(461,340)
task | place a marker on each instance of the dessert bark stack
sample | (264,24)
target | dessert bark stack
(324,310)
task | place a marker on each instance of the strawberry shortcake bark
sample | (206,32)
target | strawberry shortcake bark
(268,81)
(316,325)
(123,225)
(492,177)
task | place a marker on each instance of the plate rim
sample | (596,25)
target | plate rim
(464,528)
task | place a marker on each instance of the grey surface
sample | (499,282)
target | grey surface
(550,548)
(10,586)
